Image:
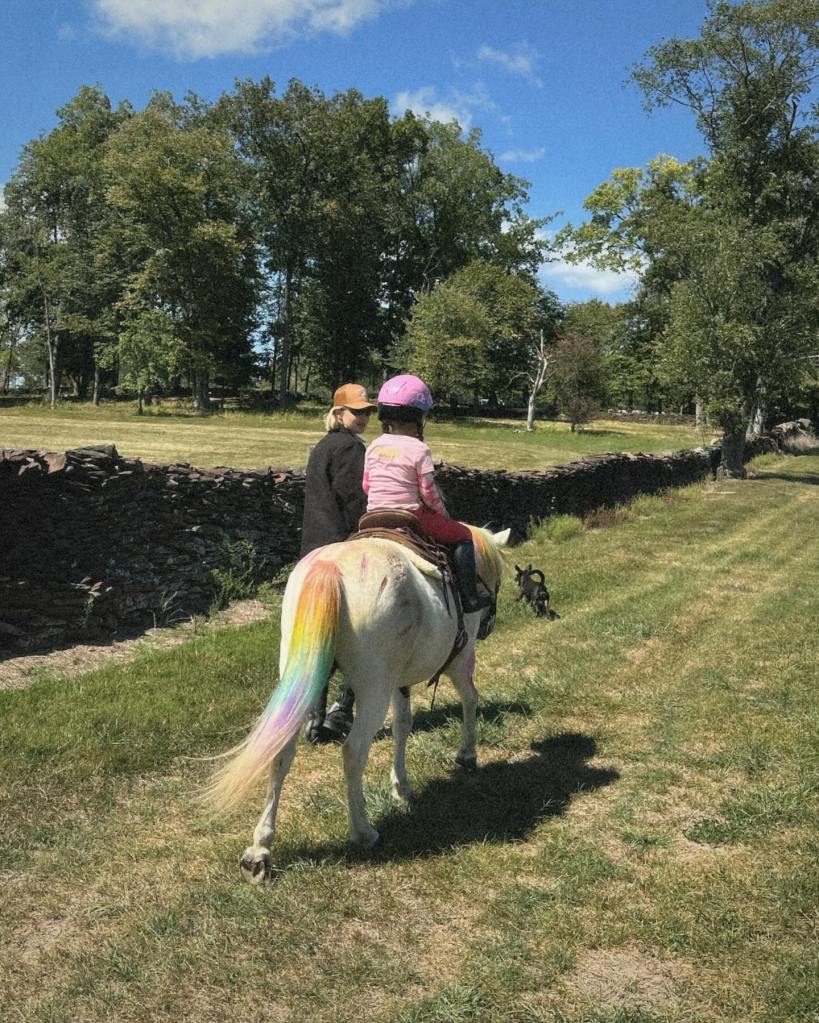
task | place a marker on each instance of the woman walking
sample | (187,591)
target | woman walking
(334,501)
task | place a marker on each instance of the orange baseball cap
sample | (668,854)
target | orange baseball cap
(352,396)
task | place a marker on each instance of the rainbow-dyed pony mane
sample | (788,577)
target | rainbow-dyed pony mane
(349,605)
(488,555)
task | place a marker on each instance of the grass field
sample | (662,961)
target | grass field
(252,440)
(638,845)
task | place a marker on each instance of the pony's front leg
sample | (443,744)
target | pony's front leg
(255,862)
(401,728)
(371,709)
(461,673)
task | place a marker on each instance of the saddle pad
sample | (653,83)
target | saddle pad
(416,542)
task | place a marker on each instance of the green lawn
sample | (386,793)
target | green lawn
(638,845)
(254,440)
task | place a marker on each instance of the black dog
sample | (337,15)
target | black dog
(531,585)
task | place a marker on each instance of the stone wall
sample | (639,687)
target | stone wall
(92,544)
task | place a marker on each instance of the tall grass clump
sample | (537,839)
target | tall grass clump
(557,529)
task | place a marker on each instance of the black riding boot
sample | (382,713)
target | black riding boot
(463,560)
(339,718)
(313,731)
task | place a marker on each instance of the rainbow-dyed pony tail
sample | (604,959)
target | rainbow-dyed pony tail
(309,662)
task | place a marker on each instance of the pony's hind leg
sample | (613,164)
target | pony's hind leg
(255,861)
(461,673)
(401,728)
(372,703)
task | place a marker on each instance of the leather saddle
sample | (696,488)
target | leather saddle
(404,528)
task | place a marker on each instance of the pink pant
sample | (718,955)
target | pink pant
(441,527)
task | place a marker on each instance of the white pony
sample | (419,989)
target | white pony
(380,613)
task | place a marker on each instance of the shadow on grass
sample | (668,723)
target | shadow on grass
(59,644)
(791,477)
(492,711)
(499,802)
(601,433)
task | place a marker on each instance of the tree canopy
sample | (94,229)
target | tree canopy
(729,242)
(196,241)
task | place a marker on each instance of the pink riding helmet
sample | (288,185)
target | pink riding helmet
(406,389)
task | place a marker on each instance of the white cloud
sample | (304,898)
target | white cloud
(206,28)
(522,62)
(454,105)
(425,103)
(584,275)
(522,155)
(66,33)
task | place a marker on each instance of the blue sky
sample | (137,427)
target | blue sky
(543,79)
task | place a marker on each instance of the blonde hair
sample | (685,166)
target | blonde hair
(332,421)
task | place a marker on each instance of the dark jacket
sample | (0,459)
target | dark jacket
(334,500)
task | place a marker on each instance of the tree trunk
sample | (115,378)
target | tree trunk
(284,368)
(199,391)
(10,363)
(271,365)
(530,413)
(758,420)
(53,345)
(699,415)
(732,464)
(95,395)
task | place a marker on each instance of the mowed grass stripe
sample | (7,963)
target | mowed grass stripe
(147,918)
(252,440)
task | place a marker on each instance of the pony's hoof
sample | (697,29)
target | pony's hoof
(255,866)
(403,793)
(367,839)
(467,763)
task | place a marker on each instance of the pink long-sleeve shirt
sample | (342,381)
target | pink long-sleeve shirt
(398,473)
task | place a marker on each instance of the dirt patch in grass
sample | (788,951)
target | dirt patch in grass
(39,937)
(21,672)
(626,978)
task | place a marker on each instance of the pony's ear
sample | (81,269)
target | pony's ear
(518,569)
(501,539)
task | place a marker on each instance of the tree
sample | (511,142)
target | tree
(457,206)
(282,140)
(632,354)
(55,220)
(447,337)
(359,215)
(341,319)
(178,190)
(512,304)
(480,327)
(730,241)
(537,375)
(576,376)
